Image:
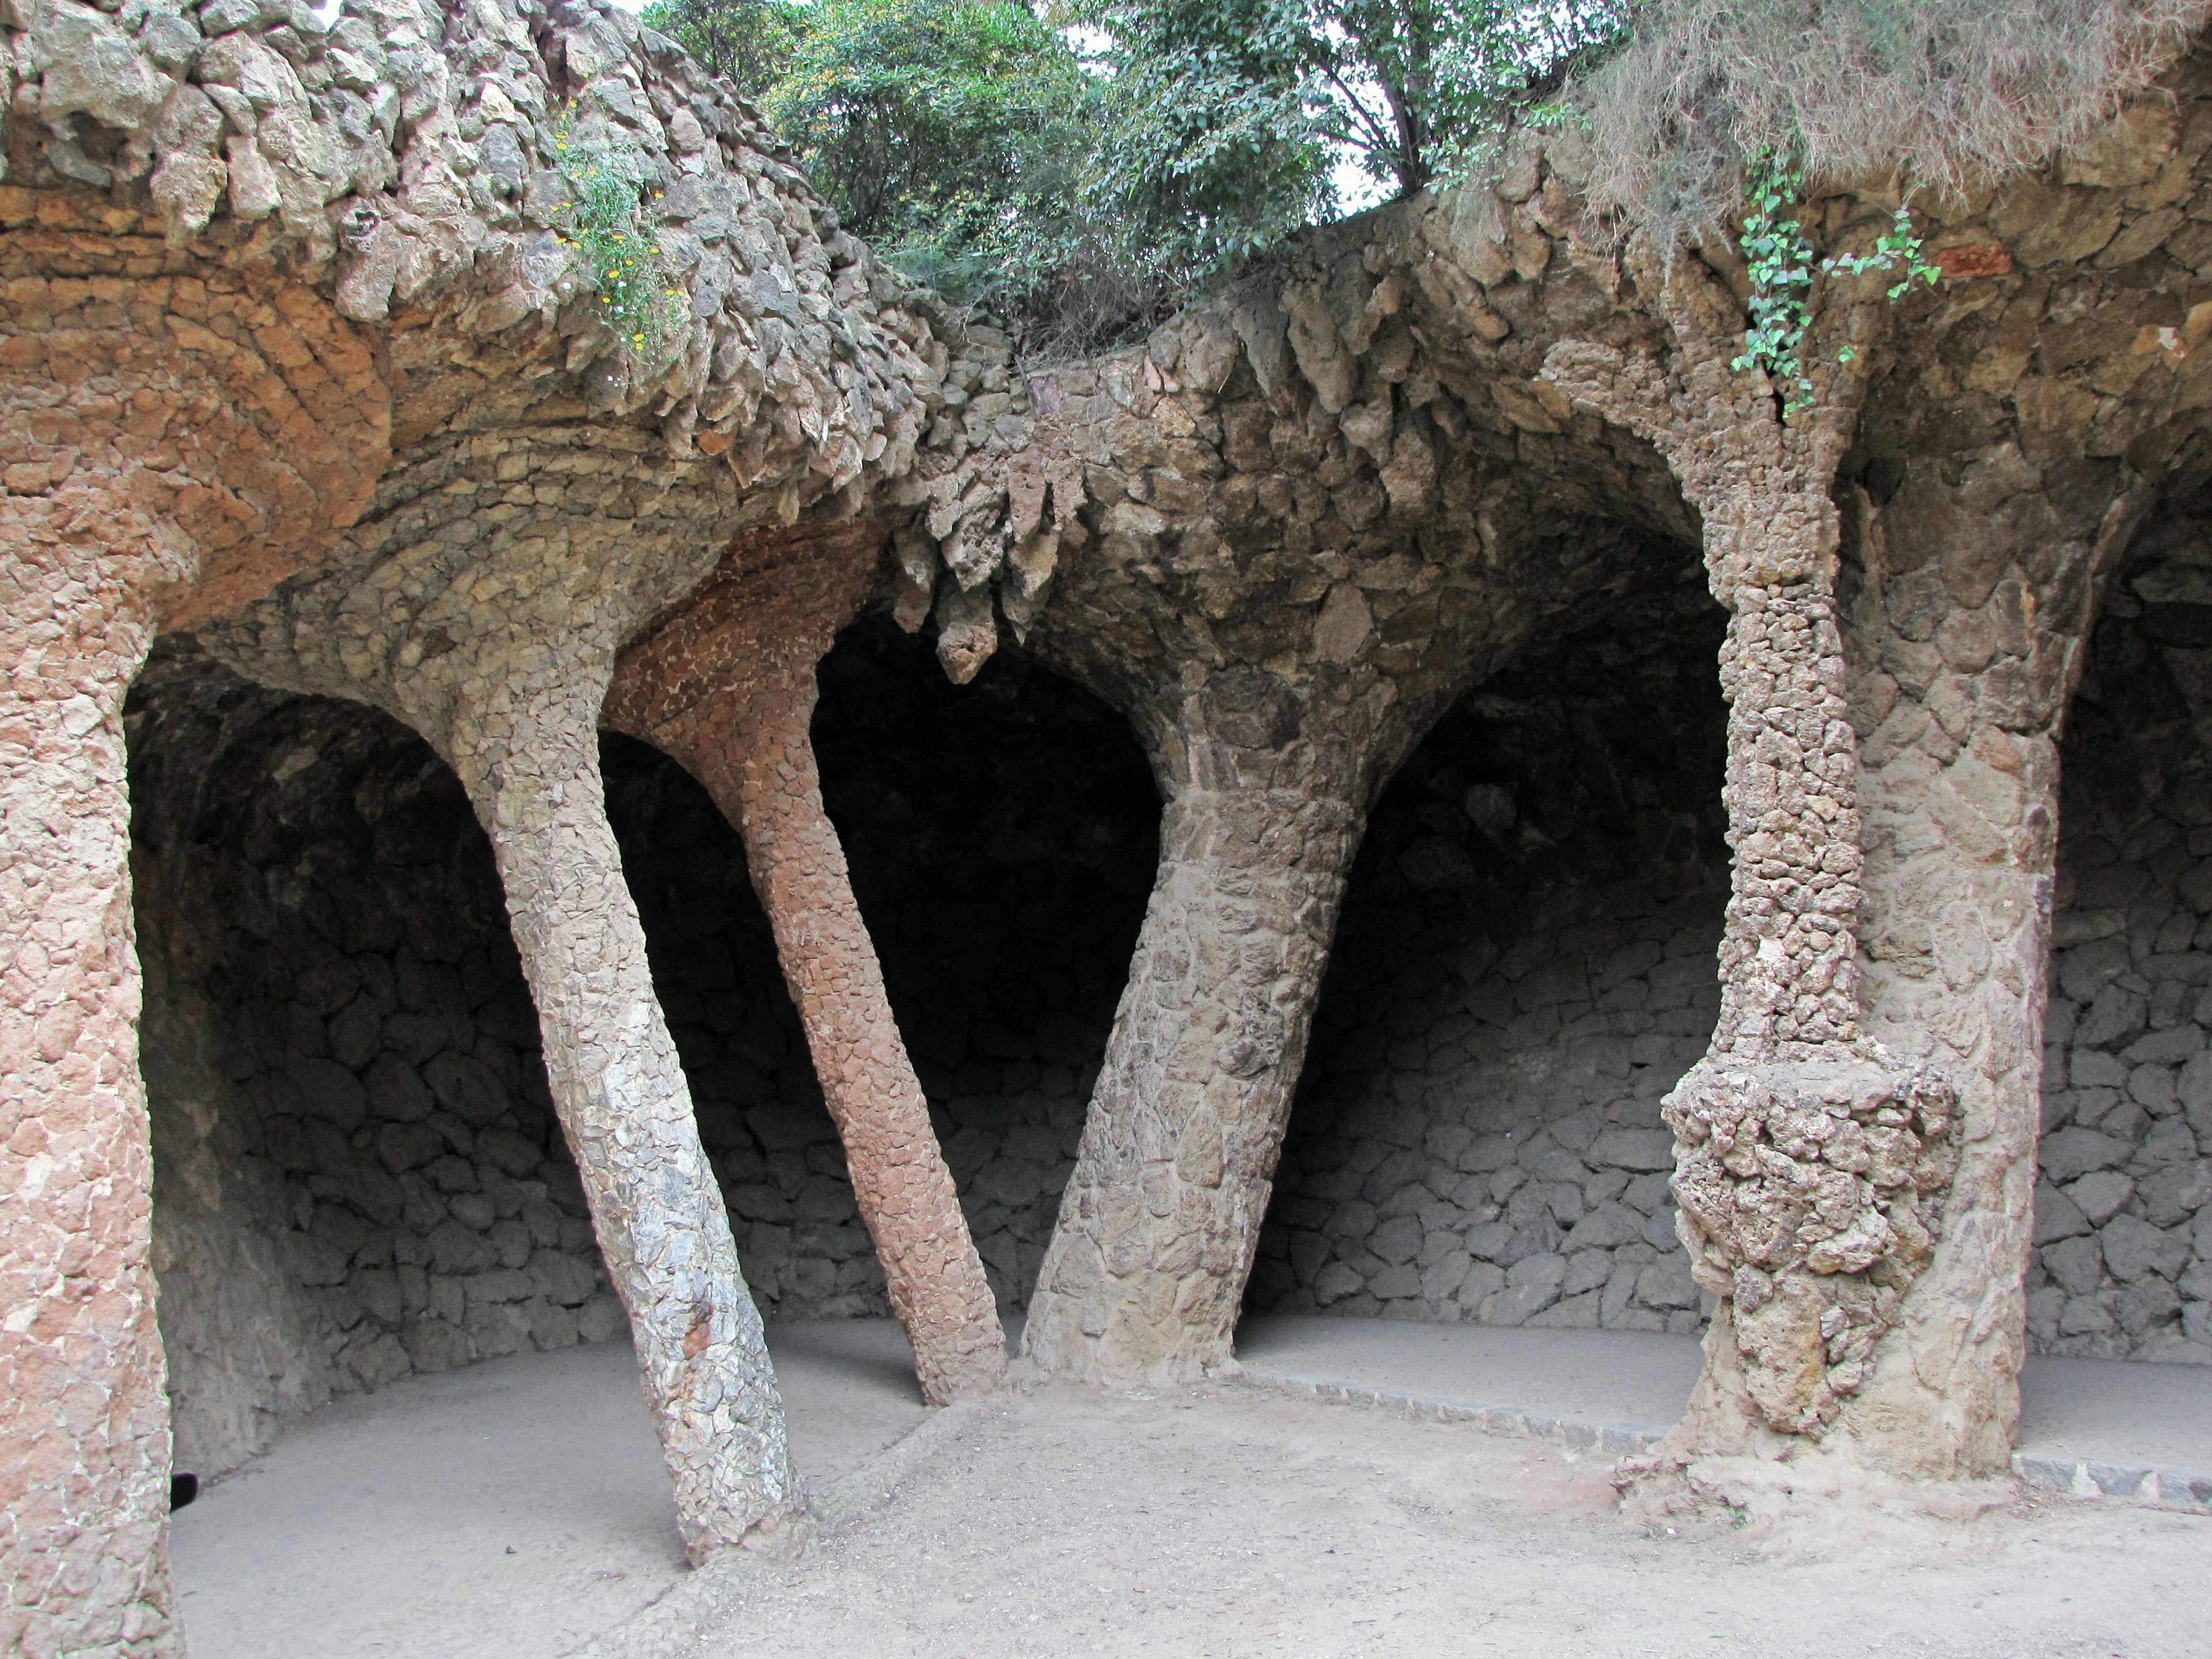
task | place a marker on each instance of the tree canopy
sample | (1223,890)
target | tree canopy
(1081,164)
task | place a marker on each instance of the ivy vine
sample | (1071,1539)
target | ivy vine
(1783,262)
(621,257)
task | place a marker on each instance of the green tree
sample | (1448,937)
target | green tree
(1404,86)
(748,43)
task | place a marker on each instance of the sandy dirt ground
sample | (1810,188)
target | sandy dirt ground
(1226,1521)
(509,1510)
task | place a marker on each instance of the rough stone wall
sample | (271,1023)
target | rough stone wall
(1003,836)
(2123,1266)
(358,1174)
(1525,968)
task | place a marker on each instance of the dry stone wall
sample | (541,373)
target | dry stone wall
(359,1176)
(2123,1265)
(1525,967)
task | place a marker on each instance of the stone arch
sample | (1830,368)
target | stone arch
(358,1172)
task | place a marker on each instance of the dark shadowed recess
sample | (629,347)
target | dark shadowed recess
(1525,965)
(1003,837)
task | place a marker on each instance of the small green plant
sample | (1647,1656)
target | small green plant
(621,257)
(1783,262)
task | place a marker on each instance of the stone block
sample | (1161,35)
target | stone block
(1397,1241)
(1400,1280)
(2133,1249)
(1604,1229)
(1334,1283)
(396,1091)
(2177,1192)
(408,1146)
(455,1248)
(2093,1068)
(2098,1196)
(2057,1215)
(472,1209)
(2077,1265)
(1637,1149)
(1443,1279)
(2166,1144)
(602,1318)
(2168,1047)
(2075,1152)
(451,1174)
(1573,1313)
(2085,1316)
(1587,1270)
(1666,1285)
(2147,1303)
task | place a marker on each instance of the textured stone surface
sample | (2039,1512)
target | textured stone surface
(2120,1230)
(1287,534)
(296,359)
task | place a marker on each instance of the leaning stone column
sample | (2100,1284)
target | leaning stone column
(727,690)
(1812,1164)
(523,736)
(1156,1231)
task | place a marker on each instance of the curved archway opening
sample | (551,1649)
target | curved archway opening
(1525,966)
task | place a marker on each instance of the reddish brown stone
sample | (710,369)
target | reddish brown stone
(1974,259)
(727,689)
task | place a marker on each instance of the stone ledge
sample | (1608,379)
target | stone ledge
(1611,1439)
(2074,1477)
(2089,1477)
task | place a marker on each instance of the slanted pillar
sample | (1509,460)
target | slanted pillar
(1146,1269)
(727,689)
(1813,1164)
(523,736)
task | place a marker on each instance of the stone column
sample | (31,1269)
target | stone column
(1146,1269)
(1972,596)
(523,735)
(84,1422)
(170,444)
(1813,1166)
(728,690)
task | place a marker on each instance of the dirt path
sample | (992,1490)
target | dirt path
(1229,1521)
